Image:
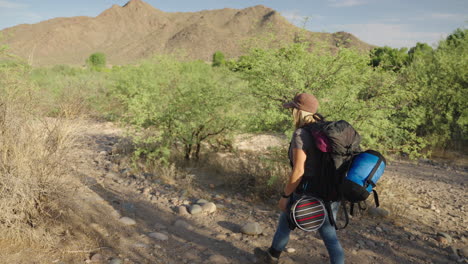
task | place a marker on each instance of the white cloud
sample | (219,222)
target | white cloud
(449,16)
(393,35)
(11,5)
(454,17)
(298,19)
(346,3)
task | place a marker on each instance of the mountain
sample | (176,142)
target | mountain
(137,30)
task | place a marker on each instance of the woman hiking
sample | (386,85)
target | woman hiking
(305,160)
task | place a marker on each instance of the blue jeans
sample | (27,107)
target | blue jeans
(327,232)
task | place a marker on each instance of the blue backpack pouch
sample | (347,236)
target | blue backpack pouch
(365,170)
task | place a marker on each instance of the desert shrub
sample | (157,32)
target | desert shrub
(256,174)
(389,58)
(177,104)
(346,86)
(96,60)
(33,161)
(218,59)
(71,92)
(438,84)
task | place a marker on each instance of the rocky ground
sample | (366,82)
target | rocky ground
(138,218)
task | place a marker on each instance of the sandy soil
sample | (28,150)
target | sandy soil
(423,200)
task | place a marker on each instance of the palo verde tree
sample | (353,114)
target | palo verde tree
(346,86)
(440,84)
(420,51)
(178,104)
(389,58)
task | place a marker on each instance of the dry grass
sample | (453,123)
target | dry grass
(33,164)
(261,175)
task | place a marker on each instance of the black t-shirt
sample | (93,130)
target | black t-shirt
(302,139)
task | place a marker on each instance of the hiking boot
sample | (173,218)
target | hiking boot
(264,257)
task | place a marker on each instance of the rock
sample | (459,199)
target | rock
(442,240)
(354,252)
(236,235)
(159,226)
(252,228)
(192,256)
(370,244)
(290,250)
(127,221)
(141,245)
(378,212)
(221,236)
(147,190)
(463,252)
(116,261)
(288,260)
(182,224)
(195,209)
(209,208)
(202,201)
(218,259)
(158,236)
(182,210)
(446,236)
(97,258)
(128,207)
(115,213)
(379,229)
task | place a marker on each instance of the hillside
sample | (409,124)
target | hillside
(137,30)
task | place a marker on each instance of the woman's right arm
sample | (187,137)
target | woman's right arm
(299,159)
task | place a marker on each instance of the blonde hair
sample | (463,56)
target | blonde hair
(303,118)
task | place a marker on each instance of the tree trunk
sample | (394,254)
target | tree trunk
(197,151)
(188,151)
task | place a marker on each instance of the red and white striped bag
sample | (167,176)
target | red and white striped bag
(308,213)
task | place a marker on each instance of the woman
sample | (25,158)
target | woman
(304,157)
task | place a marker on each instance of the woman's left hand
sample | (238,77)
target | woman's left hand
(283,204)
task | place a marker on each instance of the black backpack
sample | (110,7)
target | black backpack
(339,147)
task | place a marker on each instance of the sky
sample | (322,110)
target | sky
(394,23)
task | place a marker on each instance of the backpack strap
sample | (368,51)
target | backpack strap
(343,205)
(376,198)
(332,219)
(372,173)
(330,214)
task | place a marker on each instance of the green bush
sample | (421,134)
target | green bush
(96,60)
(218,59)
(345,85)
(71,92)
(439,84)
(182,103)
(389,58)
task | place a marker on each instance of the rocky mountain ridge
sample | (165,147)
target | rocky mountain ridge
(138,30)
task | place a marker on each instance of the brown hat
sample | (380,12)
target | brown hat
(305,102)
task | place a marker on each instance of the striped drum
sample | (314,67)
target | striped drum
(308,213)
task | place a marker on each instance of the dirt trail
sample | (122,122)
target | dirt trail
(429,200)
